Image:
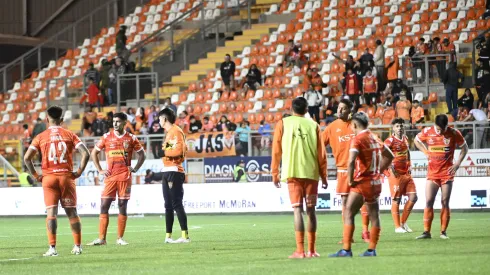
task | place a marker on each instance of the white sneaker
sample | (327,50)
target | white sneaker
(51,252)
(405,226)
(182,240)
(444,236)
(169,240)
(97,242)
(120,241)
(77,250)
(400,230)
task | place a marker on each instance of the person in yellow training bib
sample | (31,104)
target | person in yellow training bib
(297,144)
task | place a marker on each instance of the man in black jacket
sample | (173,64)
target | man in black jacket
(452,80)
(194,125)
(227,70)
(121,39)
(482,81)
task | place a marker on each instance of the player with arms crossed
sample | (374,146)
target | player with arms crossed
(368,157)
(338,135)
(400,180)
(56,147)
(119,146)
(175,149)
(297,144)
(441,143)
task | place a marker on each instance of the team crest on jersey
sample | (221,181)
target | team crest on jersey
(170,184)
(447,140)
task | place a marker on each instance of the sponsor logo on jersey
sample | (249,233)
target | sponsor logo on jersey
(116,153)
(439,149)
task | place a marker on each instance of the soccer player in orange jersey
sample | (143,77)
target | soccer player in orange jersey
(438,143)
(338,135)
(119,146)
(368,157)
(56,147)
(400,180)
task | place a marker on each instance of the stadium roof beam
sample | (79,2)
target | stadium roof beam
(52,17)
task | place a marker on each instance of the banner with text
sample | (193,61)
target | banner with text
(221,169)
(212,144)
(253,197)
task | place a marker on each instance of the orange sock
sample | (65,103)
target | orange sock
(104,223)
(121,225)
(373,241)
(348,233)
(76,230)
(445,217)
(300,241)
(365,219)
(51,235)
(428,217)
(395,213)
(407,210)
(311,241)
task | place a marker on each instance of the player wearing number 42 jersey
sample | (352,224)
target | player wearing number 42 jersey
(441,143)
(400,180)
(119,146)
(56,147)
(368,157)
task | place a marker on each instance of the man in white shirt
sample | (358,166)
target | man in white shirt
(481,117)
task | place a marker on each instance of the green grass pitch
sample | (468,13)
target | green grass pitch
(245,244)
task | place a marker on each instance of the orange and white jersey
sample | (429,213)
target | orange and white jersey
(56,147)
(368,160)
(338,135)
(399,147)
(440,150)
(118,150)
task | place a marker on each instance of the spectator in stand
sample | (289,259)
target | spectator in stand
(118,68)
(207,126)
(482,81)
(129,128)
(392,69)
(224,125)
(140,119)
(479,116)
(105,80)
(99,127)
(379,62)
(26,139)
(313,81)
(92,95)
(131,116)
(156,142)
(452,80)
(243,132)
(168,104)
(227,70)
(315,100)
(293,55)
(352,88)
(462,112)
(265,135)
(367,61)
(110,120)
(349,63)
(121,39)
(152,115)
(440,63)
(253,79)
(417,113)
(403,107)
(449,48)
(183,121)
(467,99)
(144,129)
(92,73)
(195,125)
(370,87)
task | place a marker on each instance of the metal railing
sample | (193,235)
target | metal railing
(56,46)
(8,169)
(134,86)
(424,70)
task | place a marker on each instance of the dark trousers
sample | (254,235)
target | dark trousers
(481,95)
(370,98)
(156,147)
(314,112)
(173,194)
(380,75)
(355,100)
(451,98)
